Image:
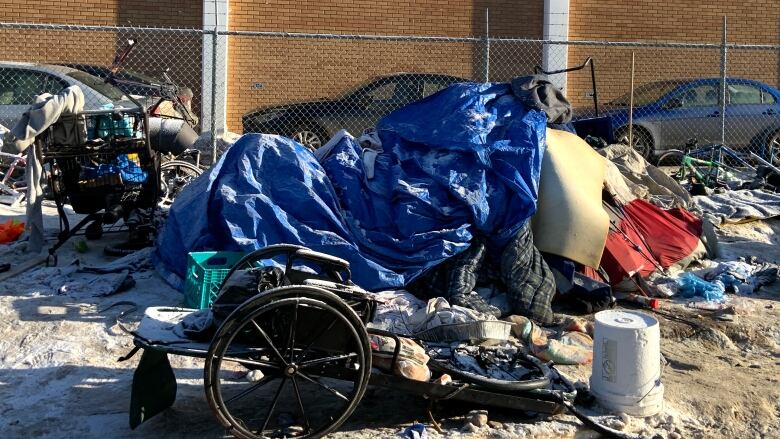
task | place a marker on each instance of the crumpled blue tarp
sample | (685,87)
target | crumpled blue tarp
(461,162)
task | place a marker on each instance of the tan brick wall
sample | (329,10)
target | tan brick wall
(298,69)
(168,13)
(749,22)
(154,52)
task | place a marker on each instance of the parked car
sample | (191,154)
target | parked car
(21,82)
(669,113)
(139,90)
(312,123)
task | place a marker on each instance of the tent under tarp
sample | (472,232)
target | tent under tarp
(644,238)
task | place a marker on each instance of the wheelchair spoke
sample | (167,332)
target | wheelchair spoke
(324,386)
(326,360)
(268,340)
(291,337)
(316,339)
(273,405)
(300,404)
(245,362)
(251,389)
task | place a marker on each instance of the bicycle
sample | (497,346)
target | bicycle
(177,169)
(13,188)
(704,165)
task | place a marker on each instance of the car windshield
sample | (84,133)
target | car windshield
(98,85)
(138,76)
(646,94)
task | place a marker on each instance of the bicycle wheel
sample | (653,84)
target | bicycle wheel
(673,158)
(174,175)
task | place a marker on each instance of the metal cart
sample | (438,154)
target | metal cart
(101,163)
(295,360)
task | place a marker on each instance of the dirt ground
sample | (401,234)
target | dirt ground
(59,374)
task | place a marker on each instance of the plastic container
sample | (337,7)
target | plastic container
(626,376)
(205,273)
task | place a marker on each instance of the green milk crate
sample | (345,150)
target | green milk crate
(205,273)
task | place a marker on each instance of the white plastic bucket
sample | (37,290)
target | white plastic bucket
(626,375)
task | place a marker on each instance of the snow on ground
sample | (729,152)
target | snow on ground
(59,374)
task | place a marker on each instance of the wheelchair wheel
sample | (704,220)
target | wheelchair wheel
(292,362)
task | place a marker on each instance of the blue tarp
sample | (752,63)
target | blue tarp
(461,162)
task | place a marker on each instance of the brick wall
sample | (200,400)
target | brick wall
(300,69)
(749,22)
(169,13)
(154,52)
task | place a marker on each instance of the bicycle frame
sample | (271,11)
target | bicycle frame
(8,186)
(168,90)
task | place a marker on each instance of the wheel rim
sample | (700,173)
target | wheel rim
(640,144)
(774,150)
(173,178)
(307,138)
(291,354)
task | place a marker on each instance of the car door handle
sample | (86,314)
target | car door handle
(715,114)
(769,112)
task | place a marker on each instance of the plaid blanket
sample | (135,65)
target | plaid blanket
(520,272)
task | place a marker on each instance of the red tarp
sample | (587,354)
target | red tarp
(646,237)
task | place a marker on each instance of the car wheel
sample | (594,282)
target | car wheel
(643,143)
(773,148)
(311,138)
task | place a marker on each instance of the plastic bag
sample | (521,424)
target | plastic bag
(10,231)
(690,285)
(412,360)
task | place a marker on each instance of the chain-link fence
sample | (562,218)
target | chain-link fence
(308,86)
(36,59)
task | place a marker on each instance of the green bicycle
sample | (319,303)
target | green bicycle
(704,165)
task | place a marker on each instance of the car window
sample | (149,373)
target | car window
(98,85)
(20,86)
(743,94)
(383,92)
(646,94)
(431,86)
(392,95)
(699,96)
(767,97)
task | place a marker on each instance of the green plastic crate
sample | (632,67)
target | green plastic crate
(205,273)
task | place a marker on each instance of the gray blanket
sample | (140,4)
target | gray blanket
(737,206)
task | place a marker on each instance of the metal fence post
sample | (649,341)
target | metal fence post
(214,96)
(723,62)
(487,45)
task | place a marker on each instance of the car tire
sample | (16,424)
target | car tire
(773,148)
(643,141)
(311,137)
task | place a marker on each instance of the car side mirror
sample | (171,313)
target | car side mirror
(673,103)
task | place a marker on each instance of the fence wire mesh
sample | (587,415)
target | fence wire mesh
(40,59)
(308,86)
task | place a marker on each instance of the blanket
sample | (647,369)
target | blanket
(734,207)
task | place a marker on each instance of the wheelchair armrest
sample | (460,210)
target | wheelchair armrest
(327,262)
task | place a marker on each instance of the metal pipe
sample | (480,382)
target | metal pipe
(631,106)
(723,61)
(487,45)
(214,86)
